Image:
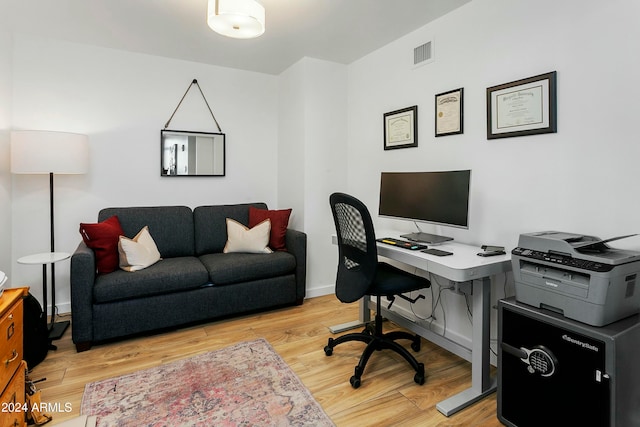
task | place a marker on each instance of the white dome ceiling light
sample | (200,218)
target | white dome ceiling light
(240,19)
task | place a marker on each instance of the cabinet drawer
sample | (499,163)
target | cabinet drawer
(10,342)
(12,401)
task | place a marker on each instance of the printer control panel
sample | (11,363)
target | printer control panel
(562,259)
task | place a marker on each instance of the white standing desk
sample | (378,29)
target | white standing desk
(463,266)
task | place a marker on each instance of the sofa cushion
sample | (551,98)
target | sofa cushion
(103,239)
(210,223)
(138,253)
(225,269)
(165,276)
(250,240)
(279,223)
(170,226)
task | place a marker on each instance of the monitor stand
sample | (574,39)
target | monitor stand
(421,237)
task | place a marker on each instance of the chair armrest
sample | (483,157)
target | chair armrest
(296,242)
(83,276)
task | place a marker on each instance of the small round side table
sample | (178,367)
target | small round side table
(55,329)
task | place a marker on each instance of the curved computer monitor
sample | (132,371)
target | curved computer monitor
(440,198)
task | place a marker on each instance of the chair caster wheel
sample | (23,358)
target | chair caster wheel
(355,382)
(328,350)
(419,376)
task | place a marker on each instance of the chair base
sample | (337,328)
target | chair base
(376,340)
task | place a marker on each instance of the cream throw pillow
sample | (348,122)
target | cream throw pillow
(138,253)
(250,240)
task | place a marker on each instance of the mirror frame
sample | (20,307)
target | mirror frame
(165,172)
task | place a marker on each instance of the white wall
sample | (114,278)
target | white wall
(5,168)
(312,158)
(121,101)
(326,163)
(582,179)
(291,131)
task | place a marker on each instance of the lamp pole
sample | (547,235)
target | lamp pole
(53,249)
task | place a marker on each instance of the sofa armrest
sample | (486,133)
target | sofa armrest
(83,276)
(296,242)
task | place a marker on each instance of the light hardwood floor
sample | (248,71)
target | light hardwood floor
(387,397)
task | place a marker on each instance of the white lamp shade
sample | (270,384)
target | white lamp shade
(241,19)
(43,152)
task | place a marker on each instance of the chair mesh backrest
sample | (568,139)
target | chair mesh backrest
(351,230)
(358,257)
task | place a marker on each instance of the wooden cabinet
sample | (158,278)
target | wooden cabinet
(12,367)
(13,411)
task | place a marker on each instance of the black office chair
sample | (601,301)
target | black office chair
(360,274)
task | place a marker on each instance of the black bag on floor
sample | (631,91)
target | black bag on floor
(36,334)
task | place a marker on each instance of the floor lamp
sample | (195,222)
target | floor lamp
(46,152)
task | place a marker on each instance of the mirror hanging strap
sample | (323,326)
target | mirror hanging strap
(194,82)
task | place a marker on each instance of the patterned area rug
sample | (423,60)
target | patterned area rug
(247,384)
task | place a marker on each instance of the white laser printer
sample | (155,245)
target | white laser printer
(576,275)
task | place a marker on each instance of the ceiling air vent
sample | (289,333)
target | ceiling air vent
(423,54)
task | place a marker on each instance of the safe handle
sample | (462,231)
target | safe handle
(518,352)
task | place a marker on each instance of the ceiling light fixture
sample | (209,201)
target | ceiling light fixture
(240,19)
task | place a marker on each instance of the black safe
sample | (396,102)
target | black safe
(553,371)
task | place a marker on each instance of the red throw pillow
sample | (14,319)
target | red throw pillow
(279,223)
(103,239)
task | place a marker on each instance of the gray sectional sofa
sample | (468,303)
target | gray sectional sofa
(194,281)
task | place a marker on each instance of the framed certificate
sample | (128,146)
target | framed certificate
(401,128)
(523,107)
(449,112)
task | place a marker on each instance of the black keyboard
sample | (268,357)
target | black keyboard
(404,244)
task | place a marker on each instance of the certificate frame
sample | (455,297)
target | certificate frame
(449,112)
(401,128)
(522,107)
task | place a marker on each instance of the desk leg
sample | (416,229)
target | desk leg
(364,316)
(481,382)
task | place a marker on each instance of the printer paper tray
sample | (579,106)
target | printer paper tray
(563,281)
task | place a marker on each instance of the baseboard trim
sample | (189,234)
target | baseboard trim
(64,308)
(319,291)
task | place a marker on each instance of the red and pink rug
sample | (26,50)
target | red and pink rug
(247,384)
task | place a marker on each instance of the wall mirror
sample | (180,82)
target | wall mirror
(185,153)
